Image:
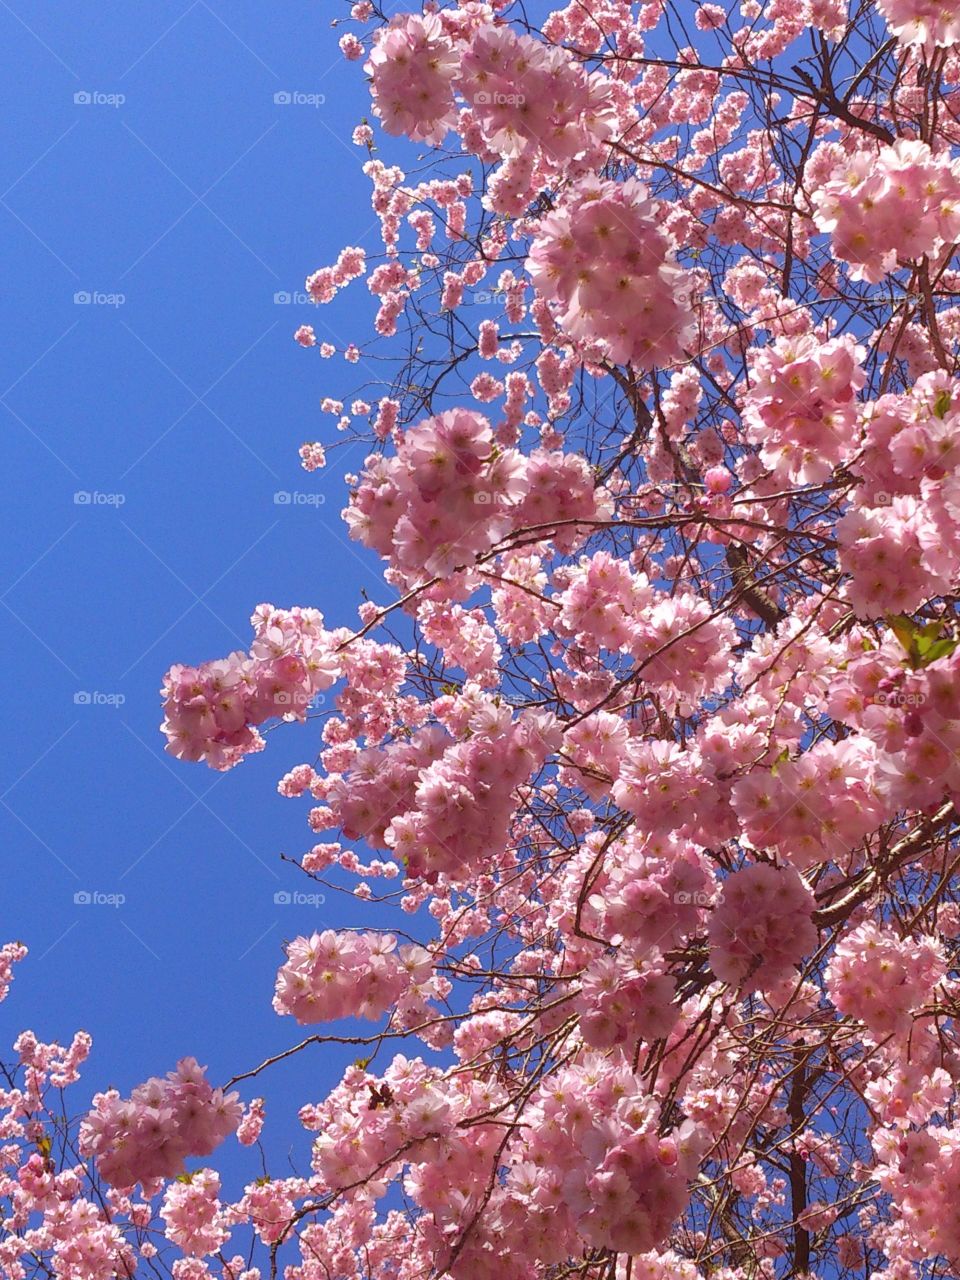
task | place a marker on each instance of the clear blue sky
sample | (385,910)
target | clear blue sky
(197,198)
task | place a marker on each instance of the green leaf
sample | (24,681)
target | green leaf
(923,642)
(942,403)
(903,628)
(939,649)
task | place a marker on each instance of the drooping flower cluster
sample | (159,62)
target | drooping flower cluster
(212,711)
(603,258)
(444,498)
(367,1121)
(625,1181)
(193,1214)
(921,1171)
(801,407)
(526,99)
(466,639)
(900,543)
(814,807)
(464,801)
(881,978)
(450,494)
(164,1121)
(338,975)
(81,1242)
(527,96)
(761,927)
(901,202)
(669,790)
(412,66)
(626,998)
(655,892)
(681,645)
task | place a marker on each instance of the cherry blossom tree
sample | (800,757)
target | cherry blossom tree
(654,733)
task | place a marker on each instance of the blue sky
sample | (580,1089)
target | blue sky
(156,200)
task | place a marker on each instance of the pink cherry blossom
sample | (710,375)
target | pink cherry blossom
(150,1134)
(603,259)
(630,793)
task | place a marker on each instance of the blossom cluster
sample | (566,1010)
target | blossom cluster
(900,542)
(881,978)
(627,998)
(450,494)
(603,258)
(901,202)
(801,407)
(526,96)
(164,1121)
(921,1172)
(523,96)
(761,927)
(212,711)
(334,975)
(10,954)
(441,805)
(192,1214)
